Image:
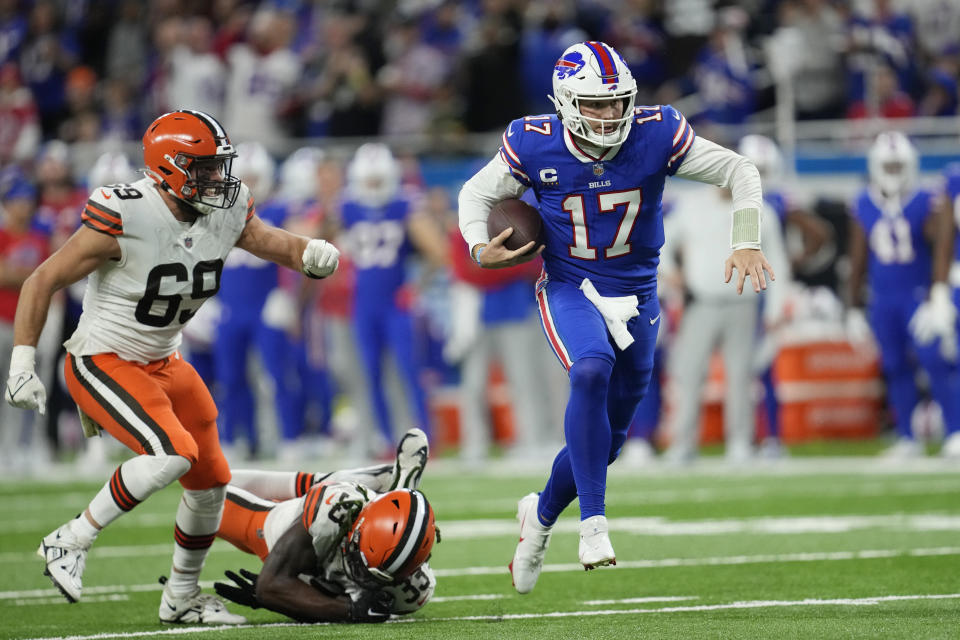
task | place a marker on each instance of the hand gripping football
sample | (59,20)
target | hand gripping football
(524,219)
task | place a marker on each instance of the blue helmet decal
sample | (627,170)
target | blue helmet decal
(569,65)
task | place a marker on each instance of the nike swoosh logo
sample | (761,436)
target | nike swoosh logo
(104,194)
(17,390)
(509,132)
(329,499)
(676,115)
(653,321)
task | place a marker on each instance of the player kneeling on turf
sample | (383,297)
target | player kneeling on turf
(363,536)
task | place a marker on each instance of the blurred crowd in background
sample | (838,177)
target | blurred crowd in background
(92,71)
(296,365)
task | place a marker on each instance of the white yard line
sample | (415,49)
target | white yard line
(748,604)
(663,563)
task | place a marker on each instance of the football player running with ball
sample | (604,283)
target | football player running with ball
(598,168)
(154,251)
(363,536)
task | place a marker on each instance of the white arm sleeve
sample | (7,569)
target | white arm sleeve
(487,187)
(709,162)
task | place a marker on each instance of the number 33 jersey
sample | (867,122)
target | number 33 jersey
(602,214)
(327,512)
(136,306)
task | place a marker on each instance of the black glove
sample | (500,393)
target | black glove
(371,606)
(244,593)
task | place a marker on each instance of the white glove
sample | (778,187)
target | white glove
(279,310)
(937,318)
(465,305)
(857,328)
(320,259)
(24,388)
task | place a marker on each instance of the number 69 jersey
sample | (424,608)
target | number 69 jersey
(137,306)
(602,214)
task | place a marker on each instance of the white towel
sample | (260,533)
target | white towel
(616,311)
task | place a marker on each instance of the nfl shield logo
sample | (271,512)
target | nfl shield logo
(188,243)
(597,170)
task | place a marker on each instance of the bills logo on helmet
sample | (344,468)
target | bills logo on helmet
(569,65)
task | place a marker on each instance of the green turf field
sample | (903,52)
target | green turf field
(812,548)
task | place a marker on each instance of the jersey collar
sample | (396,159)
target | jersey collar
(581,152)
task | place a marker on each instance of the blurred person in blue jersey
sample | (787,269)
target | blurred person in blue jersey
(951,201)
(254,314)
(903,243)
(309,390)
(383,226)
(598,168)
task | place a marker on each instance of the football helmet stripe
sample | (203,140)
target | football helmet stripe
(413,535)
(608,67)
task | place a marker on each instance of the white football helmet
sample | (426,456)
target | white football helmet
(298,174)
(112,167)
(373,177)
(255,168)
(593,71)
(765,155)
(892,163)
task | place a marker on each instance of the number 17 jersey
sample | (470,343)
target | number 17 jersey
(136,306)
(601,214)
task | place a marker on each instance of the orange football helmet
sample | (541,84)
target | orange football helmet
(189,154)
(391,537)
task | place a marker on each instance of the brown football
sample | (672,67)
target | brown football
(524,219)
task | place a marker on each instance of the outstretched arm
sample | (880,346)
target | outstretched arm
(316,258)
(80,255)
(710,163)
(280,589)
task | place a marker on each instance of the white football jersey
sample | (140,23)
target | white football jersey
(136,307)
(330,511)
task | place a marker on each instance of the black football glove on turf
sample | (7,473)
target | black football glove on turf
(371,606)
(244,593)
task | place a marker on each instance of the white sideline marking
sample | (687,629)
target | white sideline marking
(642,600)
(819,556)
(747,604)
(652,526)
(112,597)
(479,596)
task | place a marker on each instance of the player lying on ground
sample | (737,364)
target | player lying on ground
(363,537)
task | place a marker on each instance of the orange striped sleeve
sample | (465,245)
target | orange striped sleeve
(251,209)
(311,504)
(102,218)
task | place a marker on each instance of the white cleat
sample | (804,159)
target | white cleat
(198,608)
(66,559)
(534,538)
(595,548)
(951,446)
(412,453)
(903,449)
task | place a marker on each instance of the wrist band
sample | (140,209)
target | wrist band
(479,251)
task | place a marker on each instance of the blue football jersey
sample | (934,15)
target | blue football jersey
(778,202)
(378,244)
(900,261)
(951,177)
(602,215)
(247,279)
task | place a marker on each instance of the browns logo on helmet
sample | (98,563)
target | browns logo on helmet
(189,154)
(391,537)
